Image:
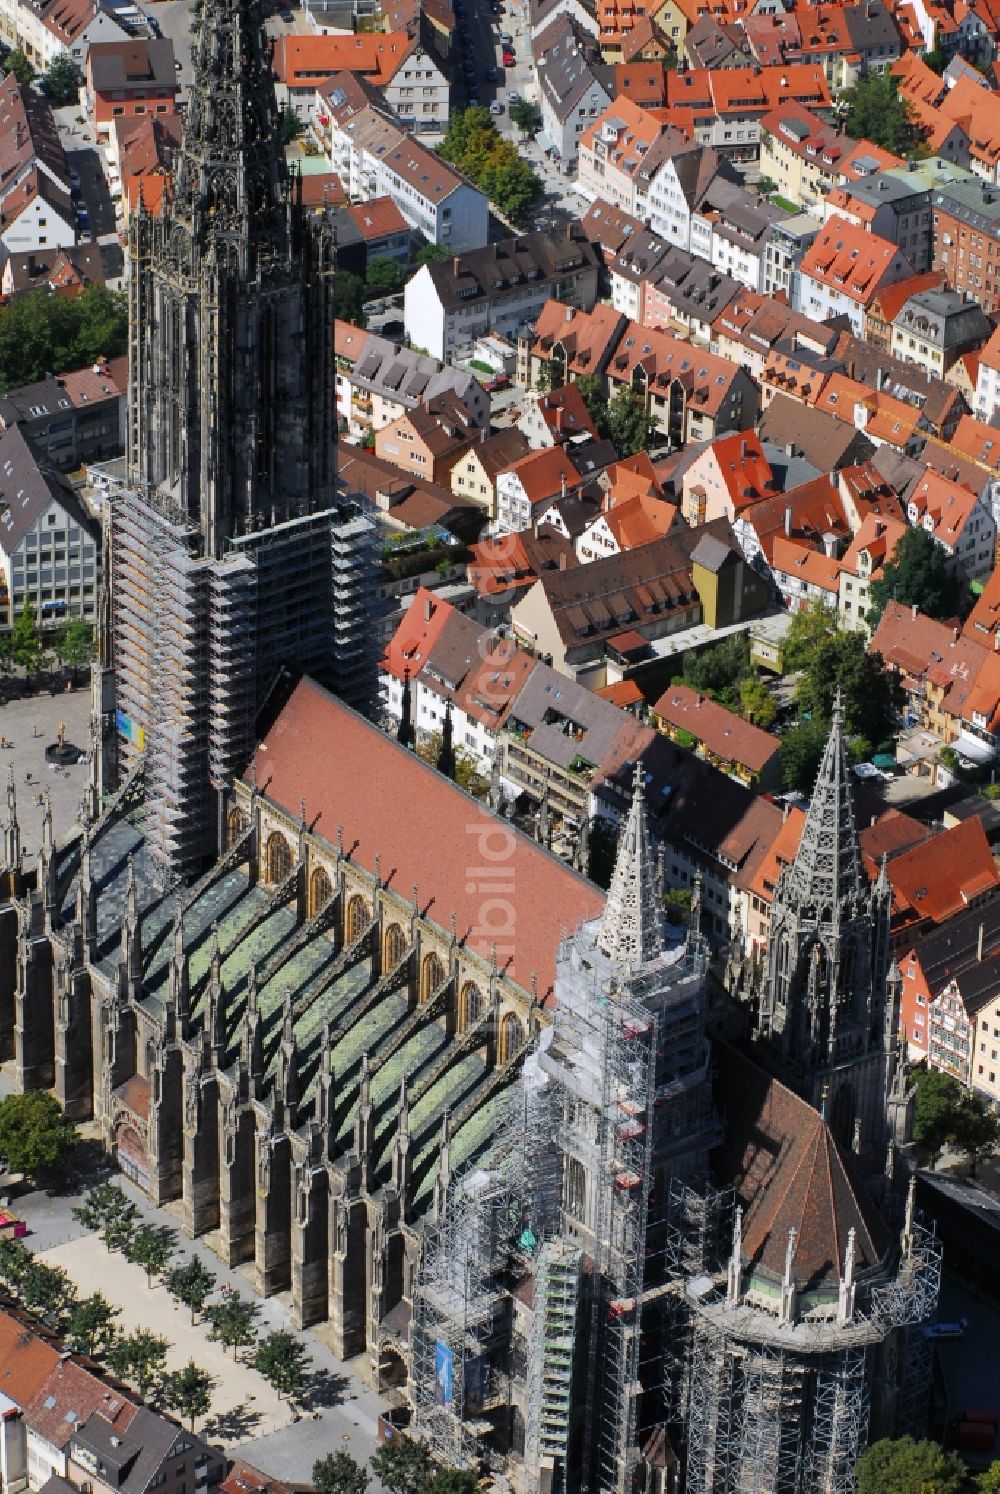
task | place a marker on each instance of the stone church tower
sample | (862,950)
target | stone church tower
(830,1004)
(228,553)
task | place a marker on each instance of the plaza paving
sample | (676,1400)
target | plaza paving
(339,1412)
(240,1397)
(31,724)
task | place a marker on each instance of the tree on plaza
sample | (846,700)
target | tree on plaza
(904,1466)
(509,182)
(975,1130)
(48,1292)
(6,654)
(39,332)
(141,1357)
(92,1329)
(339,1473)
(526,116)
(233,1322)
(402,1465)
(917,574)
(104,1207)
(15,62)
(629,425)
(191,1284)
(15,1262)
(453,1481)
(385,276)
(62,80)
(188,1391)
(756,702)
(282,1361)
(349,297)
(34,1134)
(806,631)
(868,692)
(26,641)
(801,750)
(73,644)
(151,1247)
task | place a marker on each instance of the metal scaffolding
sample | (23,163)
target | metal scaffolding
(552,1354)
(458,1370)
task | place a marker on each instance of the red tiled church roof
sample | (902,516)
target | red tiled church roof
(428,833)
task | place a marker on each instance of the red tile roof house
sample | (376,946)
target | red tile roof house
(448,658)
(845,268)
(129,78)
(736,746)
(952,680)
(935,958)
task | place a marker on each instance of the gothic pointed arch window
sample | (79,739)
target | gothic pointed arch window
(278,857)
(431,976)
(237,825)
(470,1006)
(320,890)
(393,946)
(511,1037)
(355,919)
(575,1189)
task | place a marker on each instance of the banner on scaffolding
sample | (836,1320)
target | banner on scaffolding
(130,730)
(444,1373)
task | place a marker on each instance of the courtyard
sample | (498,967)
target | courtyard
(28,725)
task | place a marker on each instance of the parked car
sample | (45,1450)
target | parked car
(395,328)
(513,98)
(509,59)
(492,74)
(285,15)
(496,108)
(373,308)
(506,39)
(499,381)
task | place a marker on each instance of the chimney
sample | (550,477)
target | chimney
(979,943)
(955,633)
(743,450)
(454,265)
(788,521)
(559,418)
(913,611)
(428,609)
(563,483)
(569,313)
(562,560)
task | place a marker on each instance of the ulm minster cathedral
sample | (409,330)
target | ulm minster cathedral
(384,1049)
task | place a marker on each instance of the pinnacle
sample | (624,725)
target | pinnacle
(631,932)
(826,868)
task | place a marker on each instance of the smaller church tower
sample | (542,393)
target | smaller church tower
(827,1015)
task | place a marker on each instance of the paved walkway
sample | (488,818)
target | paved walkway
(342,1412)
(20,720)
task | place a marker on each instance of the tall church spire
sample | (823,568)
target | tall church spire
(632,926)
(827,868)
(230,172)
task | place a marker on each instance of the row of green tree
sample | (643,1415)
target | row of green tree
(87,1325)
(231,1320)
(27,647)
(724,673)
(905,1466)
(42,333)
(492,163)
(402,1465)
(947,1114)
